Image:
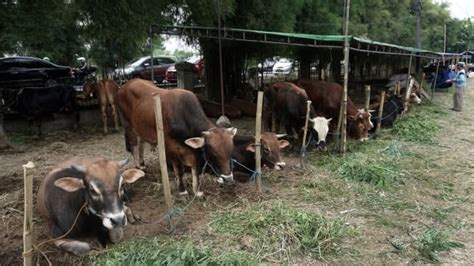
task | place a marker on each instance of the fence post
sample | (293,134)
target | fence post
(305,132)
(28,216)
(367,97)
(258,129)
(161,150)
(382,101)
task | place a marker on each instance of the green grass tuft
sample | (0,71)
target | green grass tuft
(158,251)
(432,241)
(420,125)
(277,230)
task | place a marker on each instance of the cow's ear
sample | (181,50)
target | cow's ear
(232,131)
(195,143)
(132,175)
(69,184)
(251,147)
(283,143)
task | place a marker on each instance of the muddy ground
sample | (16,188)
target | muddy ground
(451,186)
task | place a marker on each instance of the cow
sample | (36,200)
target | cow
(391,110)
(191,139)
(244,154)
(326,98)
(106,92)
(287,103)
(37,103)
(89,190)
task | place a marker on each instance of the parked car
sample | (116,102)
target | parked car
(198,62)
(141,68)
(283,66)
(24,71)
(267,66)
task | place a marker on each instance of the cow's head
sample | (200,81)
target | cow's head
(102,186)
(321,125)
(359,125)
(271,146)
(218,145)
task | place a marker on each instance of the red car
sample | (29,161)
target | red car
(170,74)
(141,68)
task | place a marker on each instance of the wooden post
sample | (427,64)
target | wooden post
(367,97)
(305,132)
(433,89)
(407,95)
(161,150)
(382,101)
(258,130)
(346,78)
(409,71)
(397,88)
(28,216)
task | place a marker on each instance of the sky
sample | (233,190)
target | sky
(460,9)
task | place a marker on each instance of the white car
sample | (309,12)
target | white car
(284,66)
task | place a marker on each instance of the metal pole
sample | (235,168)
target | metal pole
(151,50)
(346,77)
(220,56)
(444,35)
(161,150)
(258,129)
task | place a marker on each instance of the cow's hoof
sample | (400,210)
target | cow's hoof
(183,193)
(77,248)
(116,234)
(199,194)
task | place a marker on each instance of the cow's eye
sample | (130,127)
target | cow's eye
(94,192)
(266,149)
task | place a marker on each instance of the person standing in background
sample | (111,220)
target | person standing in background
(459,85)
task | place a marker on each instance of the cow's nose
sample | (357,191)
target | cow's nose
(322,145)
(225,178)
(115,220)
(119,221)
(280,165)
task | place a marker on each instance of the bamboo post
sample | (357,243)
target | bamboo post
(407,95)
(28,216)
(305,132)
(382,101)
(421,81)
(346,78)
(397,88)
(433,88)
(367,97)
(258,130)
(161,150)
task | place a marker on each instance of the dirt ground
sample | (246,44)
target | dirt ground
(450,186)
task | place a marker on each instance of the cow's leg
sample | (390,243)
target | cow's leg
(196,184)
(277,124)
(76,247)
(103,110)
(114,114)
(141,158)
(178,169)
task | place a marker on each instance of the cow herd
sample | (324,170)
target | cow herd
(86,194)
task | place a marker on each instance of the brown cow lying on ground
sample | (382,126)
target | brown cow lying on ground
(95,182)
(326,98)
(287,103)
(190,138)
(106,91)
(214,109)
(244,154)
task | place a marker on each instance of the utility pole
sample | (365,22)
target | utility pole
(444,36)
(416,8)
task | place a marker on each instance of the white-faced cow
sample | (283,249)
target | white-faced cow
(91,190)
(287,103)
(190,138)
(244,154)
(326,98)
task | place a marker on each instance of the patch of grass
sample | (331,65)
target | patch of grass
(420,125)
(277,230)
(433,241)
(440,214)
(158,251)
